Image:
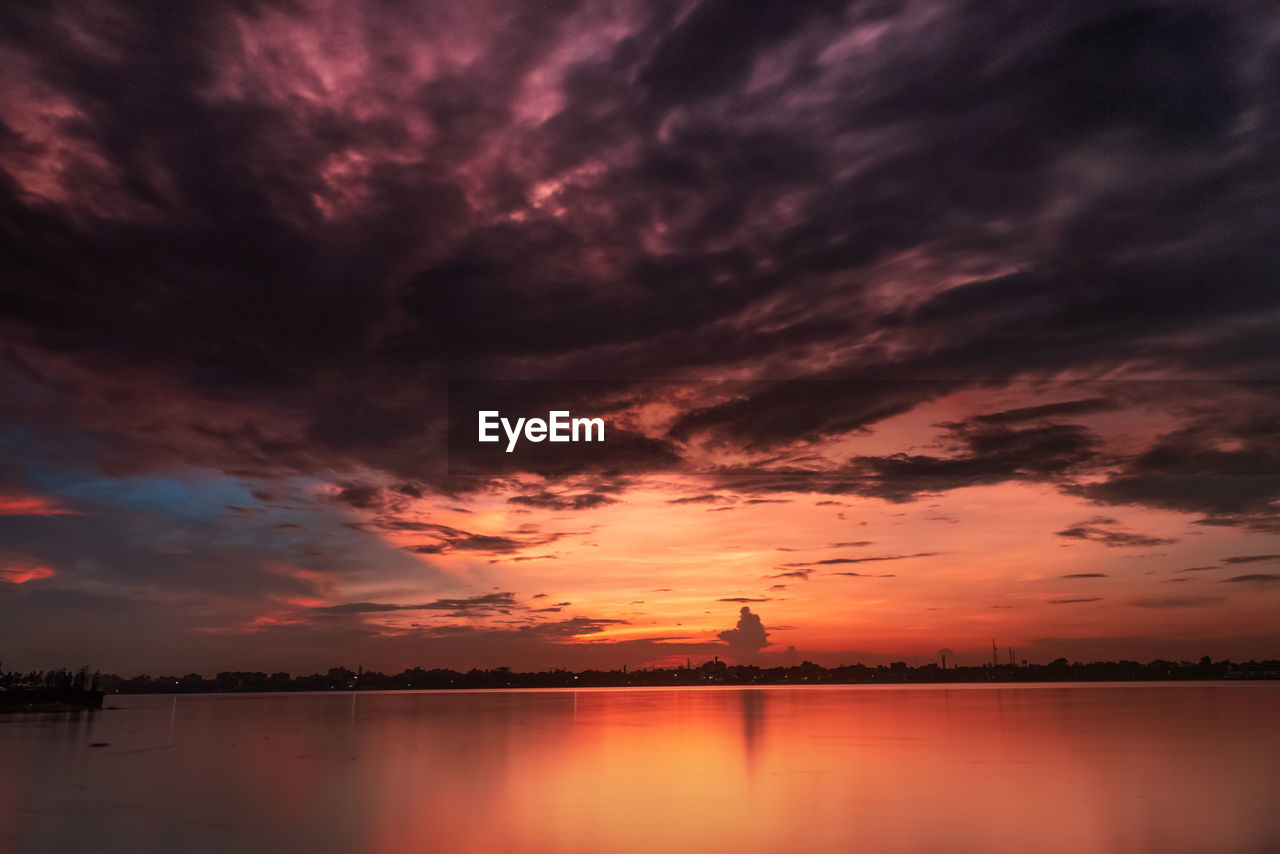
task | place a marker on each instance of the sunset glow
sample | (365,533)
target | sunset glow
(909,330)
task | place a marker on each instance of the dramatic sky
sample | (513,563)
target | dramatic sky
(917,324)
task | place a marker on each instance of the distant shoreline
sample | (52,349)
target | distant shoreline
(57,685)
(711,673)
(1118,683)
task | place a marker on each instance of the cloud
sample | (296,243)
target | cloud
(707,498)
(748,637)
(1074,601)
(714,48)
(1084,575)
(571,628)
(486,603)
(581,501)
(1097,533)
(1261,579)
(30,505)
(454,539)
(361,495)
(1049,410)
(1175,601)
(993,455)
(24,574)
(834,561)
(1225,466)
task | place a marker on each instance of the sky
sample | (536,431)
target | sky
(918,326)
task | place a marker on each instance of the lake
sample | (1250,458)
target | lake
(1029,768)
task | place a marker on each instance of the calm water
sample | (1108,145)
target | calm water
(1085,768)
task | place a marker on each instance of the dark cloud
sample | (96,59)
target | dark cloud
(712,51)
(581,501)
(708,498)
(1261,578)
(362,496)
(489,602)
(570,628)
(1074,601)
(994,455)
(1114,539)
(748,637)
(1084,575)
(456,539)
(984,455)
(831,561)
(1175,601)
(1224,465)
(1049,410)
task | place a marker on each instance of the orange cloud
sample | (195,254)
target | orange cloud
(23,574)
(31,505)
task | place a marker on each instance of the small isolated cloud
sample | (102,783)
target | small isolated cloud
(1074,601)
(748,637)
(1084,575)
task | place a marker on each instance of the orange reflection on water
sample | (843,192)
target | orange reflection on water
(1117,768)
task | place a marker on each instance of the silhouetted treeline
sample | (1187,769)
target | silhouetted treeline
(61,680)
(50,691)
(709,673)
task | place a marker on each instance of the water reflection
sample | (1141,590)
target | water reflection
(955,769)
(753,724)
